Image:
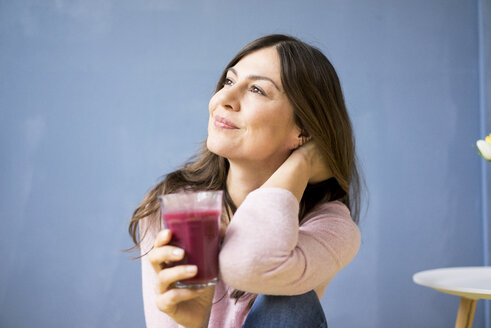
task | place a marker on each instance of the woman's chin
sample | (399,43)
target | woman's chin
(216,148)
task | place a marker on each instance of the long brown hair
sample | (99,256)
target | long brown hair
(313,88)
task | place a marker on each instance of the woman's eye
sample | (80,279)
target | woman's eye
(255,89)
(227,81)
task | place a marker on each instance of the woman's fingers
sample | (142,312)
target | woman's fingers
(163,254)
(319,171)
(169,276)
(168,301)
(163,238)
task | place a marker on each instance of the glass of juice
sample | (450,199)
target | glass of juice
(194,219)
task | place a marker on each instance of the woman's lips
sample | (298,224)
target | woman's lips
(223,123)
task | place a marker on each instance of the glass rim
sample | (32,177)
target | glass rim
(191,201)
(191,192)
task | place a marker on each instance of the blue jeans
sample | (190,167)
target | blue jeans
(299,311)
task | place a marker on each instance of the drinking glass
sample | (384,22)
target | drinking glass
(194,219)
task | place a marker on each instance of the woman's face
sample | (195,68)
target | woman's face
(251,118)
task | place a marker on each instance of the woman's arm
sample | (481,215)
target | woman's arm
(265,251)
(153,316)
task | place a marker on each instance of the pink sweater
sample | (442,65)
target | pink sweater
(265,251)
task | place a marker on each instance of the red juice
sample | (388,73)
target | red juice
(196,232)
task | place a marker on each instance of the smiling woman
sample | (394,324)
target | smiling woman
(280,146)
(253,103)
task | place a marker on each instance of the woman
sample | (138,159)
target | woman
(280,145)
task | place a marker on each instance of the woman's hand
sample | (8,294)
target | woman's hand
(304,165)
(317,168)
(187,307)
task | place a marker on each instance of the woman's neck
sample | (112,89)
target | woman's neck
(244,178)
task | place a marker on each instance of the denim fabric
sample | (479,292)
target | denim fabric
(299,311)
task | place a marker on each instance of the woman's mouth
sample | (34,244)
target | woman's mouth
(223,123)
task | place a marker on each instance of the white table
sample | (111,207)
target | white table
(470,283)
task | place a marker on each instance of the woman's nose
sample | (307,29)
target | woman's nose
(230,98)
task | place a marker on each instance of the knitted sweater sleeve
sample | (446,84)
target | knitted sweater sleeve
(154,318)
(265,251)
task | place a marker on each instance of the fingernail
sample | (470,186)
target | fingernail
(191,268)
(178,252)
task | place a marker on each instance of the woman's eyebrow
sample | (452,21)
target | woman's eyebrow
(256,77)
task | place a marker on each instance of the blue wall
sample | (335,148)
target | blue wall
(484,23)
(100,98)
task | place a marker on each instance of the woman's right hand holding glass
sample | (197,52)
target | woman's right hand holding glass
(187,307)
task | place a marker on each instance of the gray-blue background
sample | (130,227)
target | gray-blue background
(100,98)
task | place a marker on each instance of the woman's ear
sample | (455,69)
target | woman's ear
(304,137)
(298,138)
(293,140)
